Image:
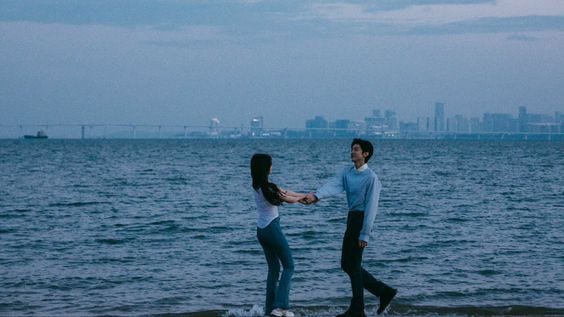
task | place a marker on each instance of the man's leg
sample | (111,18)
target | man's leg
(351,258)
(374,286)
(379,289)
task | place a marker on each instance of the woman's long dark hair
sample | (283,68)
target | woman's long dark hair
(260,168)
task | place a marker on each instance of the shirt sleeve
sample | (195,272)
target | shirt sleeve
(334,186)
(371,209)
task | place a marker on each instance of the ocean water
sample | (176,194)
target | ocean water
(167,227)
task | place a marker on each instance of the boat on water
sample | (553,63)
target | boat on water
(40,135)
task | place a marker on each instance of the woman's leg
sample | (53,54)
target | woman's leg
(265,238)
(285,255)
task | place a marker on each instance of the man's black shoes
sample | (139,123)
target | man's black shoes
(385,299)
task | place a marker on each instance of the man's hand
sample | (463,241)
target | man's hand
(362,244)
(309,199)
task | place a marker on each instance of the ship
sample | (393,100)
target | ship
(40,135)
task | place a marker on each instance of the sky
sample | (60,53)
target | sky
(183,62)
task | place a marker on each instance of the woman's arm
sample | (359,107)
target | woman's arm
(290,196)
(291,193)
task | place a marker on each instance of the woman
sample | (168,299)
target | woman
(268,197)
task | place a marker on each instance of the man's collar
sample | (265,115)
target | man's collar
(362,168)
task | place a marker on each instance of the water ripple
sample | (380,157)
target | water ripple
(145,227)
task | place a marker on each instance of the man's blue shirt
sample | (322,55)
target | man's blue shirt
(362,188)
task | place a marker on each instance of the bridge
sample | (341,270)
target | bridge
(102,130)
(168,131)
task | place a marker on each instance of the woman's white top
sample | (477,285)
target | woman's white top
(266,212)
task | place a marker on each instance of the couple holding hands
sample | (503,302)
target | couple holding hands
(362,189)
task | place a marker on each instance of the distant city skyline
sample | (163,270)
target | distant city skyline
(439,117)
(357,116)
(387,121)
(379,123)
(185,62)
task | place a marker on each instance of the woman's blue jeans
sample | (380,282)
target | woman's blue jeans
(276,251)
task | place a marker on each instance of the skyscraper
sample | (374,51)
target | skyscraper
(391,120)
(257,126)
(439,116)
(523,119)
(214,127)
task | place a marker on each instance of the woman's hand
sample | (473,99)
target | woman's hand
(290,196)
(309,199)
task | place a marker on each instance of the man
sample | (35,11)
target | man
(362,188)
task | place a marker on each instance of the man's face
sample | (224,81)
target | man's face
(356,153)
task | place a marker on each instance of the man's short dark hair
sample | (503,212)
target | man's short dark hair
(365,145)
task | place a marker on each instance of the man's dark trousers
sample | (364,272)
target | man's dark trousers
(351,258)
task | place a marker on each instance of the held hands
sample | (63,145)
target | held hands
(309,199)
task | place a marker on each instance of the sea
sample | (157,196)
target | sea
(167,227)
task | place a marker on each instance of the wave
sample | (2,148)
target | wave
(395,309)
(516,310)
(77,204)
(111,241)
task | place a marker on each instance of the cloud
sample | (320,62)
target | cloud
(522,38)
(129,12)
(259,20)
(494,25)
(415,15)
(186,37)
(240,19)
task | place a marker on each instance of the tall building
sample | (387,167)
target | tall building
(541,123)
(318,122)
(214,127)
(342,124)
(391,120)
(317,127)
(409,127)
(376,124)
(499,122)
(420,127)
(460,124)
(523,119)
(257,124)
(343,127)
(439,116)
(424,124)
(475,125)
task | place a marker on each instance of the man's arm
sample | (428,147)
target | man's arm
(332,187)
(371,209)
